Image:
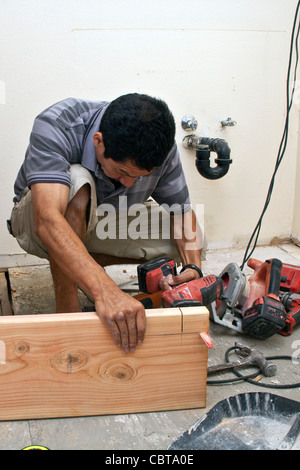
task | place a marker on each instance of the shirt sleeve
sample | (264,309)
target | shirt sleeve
(49,153)
(171,191)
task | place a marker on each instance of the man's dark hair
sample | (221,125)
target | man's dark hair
(140,128)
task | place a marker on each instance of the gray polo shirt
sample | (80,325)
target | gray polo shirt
(63,135)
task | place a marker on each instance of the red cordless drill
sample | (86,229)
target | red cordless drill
(267,315)
(151,272)
(291,303)
(201,291)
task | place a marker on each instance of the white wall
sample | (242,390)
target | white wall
(209,58)
(296,218)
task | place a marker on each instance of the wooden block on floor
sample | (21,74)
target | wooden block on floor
(5,305)
(64,365)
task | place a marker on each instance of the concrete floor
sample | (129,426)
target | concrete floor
(151,431)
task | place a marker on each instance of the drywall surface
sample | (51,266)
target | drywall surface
(296,174)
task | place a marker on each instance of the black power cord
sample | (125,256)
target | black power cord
(283,143)
(250,378)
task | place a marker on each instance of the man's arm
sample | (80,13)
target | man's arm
(124,316)
(188,241)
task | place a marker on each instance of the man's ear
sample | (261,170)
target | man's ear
(98,139)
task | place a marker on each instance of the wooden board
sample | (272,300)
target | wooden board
(63,365)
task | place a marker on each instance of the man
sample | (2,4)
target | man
(85,154)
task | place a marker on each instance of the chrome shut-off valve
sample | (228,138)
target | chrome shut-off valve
(189,123)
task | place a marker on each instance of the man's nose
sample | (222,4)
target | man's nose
(127,181)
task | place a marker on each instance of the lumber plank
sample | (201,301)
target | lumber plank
(159,321)
(194,319)
(65,365)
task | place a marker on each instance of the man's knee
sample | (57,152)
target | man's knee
(79,205)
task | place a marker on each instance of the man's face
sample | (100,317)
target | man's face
(123,172)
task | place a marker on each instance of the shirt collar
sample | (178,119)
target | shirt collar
(89,160)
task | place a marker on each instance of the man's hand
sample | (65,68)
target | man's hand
(187,239)
(170,281)
(125,318)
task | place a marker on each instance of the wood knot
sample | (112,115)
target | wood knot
(69,361)
(21,348)
(117,372)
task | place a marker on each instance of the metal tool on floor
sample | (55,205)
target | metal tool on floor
(252,357)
